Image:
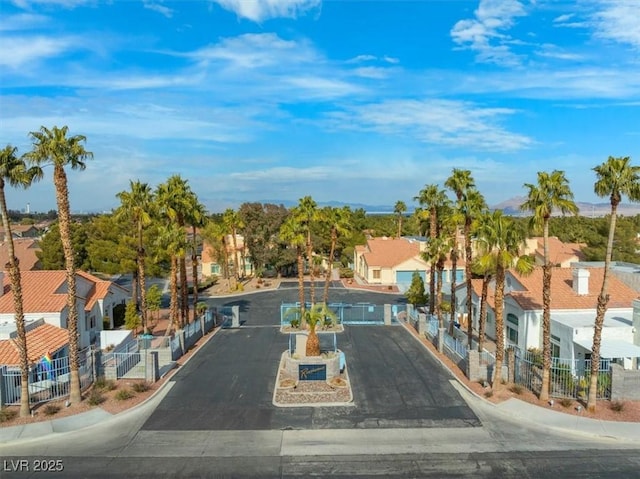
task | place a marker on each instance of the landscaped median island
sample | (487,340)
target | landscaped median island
(312,381)
(309,375)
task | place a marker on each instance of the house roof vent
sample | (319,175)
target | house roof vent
(581,281)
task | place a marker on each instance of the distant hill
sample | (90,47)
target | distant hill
(512,207)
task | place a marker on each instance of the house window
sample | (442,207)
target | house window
(376,274)
(555,346)
(512,329)
(215,269)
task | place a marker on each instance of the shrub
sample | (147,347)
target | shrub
(51,409)
(488,394)
(346,273)
(7,414)
(295,323)
(516,389)
(104,384)
(617,406)
(96,397)
(140,387)
(566,402)
(124,394)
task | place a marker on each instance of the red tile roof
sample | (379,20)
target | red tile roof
(25,250)
(100,289)
(559,252)
(43,339)
(564,297)
(42,292)
(389,252)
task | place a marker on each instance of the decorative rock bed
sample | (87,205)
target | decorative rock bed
(289,391)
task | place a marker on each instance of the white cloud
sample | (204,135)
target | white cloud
(22,51)
(438,122)
(548,50)
(485,34)
(22,21)
(157,7)
(362,58)
(619,21)
(257,51)
(259,10)
(563,18)
(27,4)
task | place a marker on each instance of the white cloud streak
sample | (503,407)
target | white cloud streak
(439,122)
(157,7)
(260,10)
(21,51)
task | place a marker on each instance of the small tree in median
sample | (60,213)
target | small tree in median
(416,294)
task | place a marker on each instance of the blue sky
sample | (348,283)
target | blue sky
(352,101)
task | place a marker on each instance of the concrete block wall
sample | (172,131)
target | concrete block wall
(625,384)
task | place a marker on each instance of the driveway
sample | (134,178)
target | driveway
(229,384)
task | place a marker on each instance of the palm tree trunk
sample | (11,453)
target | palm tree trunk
(173,303)
(16,288)
(432,288)
(64,217)
(236,261)
(194,272)
(301,287)
(454,268)
(499,306)
(184,292)
(546,332)
(432,267)
(468,257)
(440,269)
(312,288)
(313,343)
(482,321)
(143,281)
(601,309)
(332,249)
(546,316)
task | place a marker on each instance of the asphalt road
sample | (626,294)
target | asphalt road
(408,420)
(230,382)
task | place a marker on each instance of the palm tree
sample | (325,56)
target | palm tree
(216,235)
(173,201)
(52,146)
(615,177)
(292,232)
(13,170)
(136,206)
(318,313)
(233,222)
(551,193)
(172,241)
(399,209)
(501,241)
(338,221)
(432,197)
(470,203)
(486,268)
(197,217)
(308,213)
(436,254)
